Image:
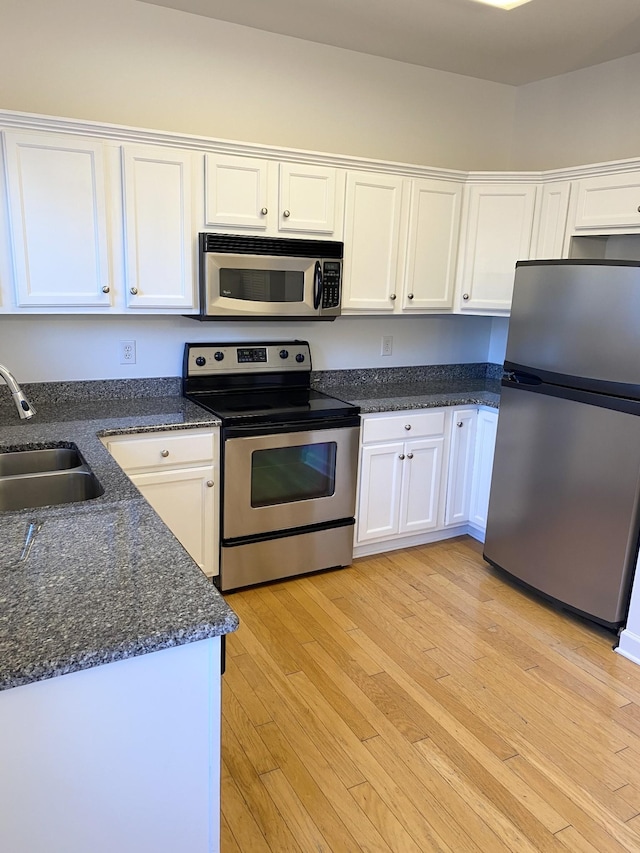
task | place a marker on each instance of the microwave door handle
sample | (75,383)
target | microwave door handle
(317,285)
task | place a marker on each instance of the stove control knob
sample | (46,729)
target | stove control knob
(201,361)
(219,355)
(284,353)
(300,357)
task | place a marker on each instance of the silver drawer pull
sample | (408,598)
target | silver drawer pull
(105,289)
(286,214)
(264,211)
(164,453)
(407,426)
(459,424)
(210,484)
(133,291)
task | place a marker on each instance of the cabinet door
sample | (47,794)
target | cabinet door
(185,500)
(158,226)
(421,485)
(498,230)
(551,221)
(379,497)
(237,192)
(460,466)
(610,201)
(434,227)
(487,425)
(307,199)
(375,238)
(58,220)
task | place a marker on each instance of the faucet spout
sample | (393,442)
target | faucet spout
(24,407)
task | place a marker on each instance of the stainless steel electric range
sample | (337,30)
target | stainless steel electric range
(289,457)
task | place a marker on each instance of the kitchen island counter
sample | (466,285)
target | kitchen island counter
(104,579)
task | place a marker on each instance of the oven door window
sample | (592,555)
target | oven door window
(286,474)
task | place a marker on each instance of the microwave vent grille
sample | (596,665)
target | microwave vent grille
(283,247)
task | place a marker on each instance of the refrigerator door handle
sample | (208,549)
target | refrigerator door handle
(518,377)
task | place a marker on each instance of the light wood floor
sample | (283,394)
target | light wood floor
(417,702)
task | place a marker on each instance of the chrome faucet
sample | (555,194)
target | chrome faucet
(24,407)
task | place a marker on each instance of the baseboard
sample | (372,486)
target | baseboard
(381,547)
(629,646)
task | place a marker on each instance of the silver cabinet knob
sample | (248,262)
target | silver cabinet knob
(286,213)
(164,453)
(210,484)
(401,456)
(409,455)
(639,209)
(465,296)
(407,426)
(106,288)
(264,211)
(392,296)
(459,424)
(410,296)
(133,291)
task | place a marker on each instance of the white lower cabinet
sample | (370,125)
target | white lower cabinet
(429,486)
(463,429)
(178,474)
(401,478)
(486,427)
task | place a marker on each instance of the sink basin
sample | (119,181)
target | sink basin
(26,491)
(37,461)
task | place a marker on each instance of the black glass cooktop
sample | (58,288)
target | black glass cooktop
(272,406)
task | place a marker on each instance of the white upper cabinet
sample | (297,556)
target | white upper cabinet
(608,203)
(432,249)
(160,239)
(497,227)
(401,243)
(550,222)
(58,221)
(376,212)
(263,196)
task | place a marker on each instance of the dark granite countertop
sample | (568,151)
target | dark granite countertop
(399,388)
(105,579)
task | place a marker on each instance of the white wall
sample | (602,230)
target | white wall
(133,63)
(498,340)
(59,348)
(587,116)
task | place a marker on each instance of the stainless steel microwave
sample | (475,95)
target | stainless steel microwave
(277,278)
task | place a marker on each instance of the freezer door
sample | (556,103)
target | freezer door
(577,319)
(563,511)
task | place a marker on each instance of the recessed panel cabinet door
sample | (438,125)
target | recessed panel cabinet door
(374,241)
(58,221)
(307,198)
(160,243)
(497,232)
(421,480)
(379,503)
(237,192)
(434,229)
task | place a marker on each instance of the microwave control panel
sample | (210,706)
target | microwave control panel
(330,284)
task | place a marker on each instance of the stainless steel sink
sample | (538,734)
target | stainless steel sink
(37,461)
(55,475)
(26,491)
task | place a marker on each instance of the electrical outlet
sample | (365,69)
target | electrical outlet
(387,345)
(127,352)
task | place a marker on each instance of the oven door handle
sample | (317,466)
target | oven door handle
(296,426)
(317,285)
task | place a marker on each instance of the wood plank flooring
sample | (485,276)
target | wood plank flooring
(418,702)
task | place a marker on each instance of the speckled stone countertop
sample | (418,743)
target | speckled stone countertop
(104,579)
(398,388)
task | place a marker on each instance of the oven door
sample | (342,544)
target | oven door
(289,479)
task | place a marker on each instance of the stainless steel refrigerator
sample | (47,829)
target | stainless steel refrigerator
(564,505)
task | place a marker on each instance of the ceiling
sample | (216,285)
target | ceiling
(541,39)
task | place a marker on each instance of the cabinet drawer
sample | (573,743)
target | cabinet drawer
(162,450)
(403,426)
